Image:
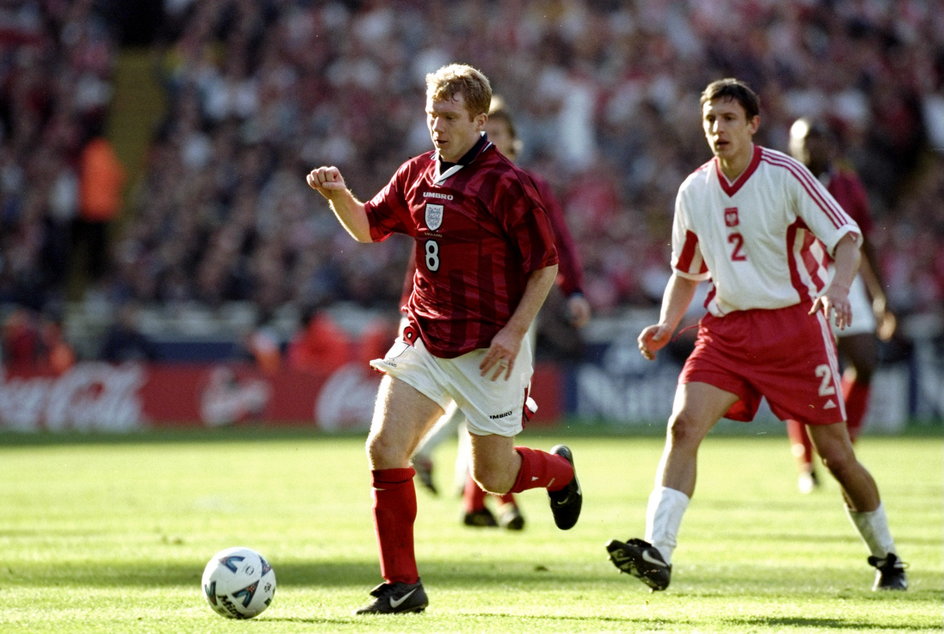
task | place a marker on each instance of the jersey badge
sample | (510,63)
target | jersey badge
(434,216)
(731,217)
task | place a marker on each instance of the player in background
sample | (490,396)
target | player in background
(755,221)
(485,262)
(501,131)
(813,144)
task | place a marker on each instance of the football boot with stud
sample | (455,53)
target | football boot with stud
(396,598)
(642,560)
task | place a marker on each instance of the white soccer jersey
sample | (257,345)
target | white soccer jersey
(756,238)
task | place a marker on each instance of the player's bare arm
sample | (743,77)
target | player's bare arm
(885,319)
(675,300)
(349,211)
(834,301)
(500,357)
(578,310)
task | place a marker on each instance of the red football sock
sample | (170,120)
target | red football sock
(800,442)
(856,394)
(394,514)
(508,498)
(540,469)
(473,497)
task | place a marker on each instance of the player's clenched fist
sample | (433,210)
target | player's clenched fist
(326,179)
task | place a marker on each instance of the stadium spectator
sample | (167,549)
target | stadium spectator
(33,342)
(746,220)
(814,144)
(55,71)
(58,353)
(101,183)
(21,342)
(263,346)
(466,206)
(320,345)
(124,341)
(258,91)
(632,72)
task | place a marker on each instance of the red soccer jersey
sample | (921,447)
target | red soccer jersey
(848,190)
(570,275)
(850,193)
(480,231)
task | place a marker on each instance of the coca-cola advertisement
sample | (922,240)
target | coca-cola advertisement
(89,396)
(96,396)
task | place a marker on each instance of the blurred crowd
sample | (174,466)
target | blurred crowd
(605,94)
(56,66)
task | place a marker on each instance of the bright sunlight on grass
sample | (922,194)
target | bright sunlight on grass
(111,535)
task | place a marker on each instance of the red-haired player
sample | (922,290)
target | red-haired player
(485,262)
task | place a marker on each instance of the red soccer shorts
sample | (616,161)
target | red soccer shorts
(783,355)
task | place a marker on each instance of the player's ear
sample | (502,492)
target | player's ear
(480,120)
(754,123)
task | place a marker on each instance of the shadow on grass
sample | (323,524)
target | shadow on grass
(314,574)
(817,624)
(440,574)
(565,623)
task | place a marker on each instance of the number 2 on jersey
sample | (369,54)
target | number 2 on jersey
(737,253)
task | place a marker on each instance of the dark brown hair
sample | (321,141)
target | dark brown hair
(730,88)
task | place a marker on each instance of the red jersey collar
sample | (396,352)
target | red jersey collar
(732,188)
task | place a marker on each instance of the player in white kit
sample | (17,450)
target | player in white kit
(754,222)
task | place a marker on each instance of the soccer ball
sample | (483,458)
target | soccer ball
(238,583)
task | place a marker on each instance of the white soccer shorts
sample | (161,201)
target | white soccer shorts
(490,407)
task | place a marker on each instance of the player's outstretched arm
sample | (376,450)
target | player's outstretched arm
(886,322)
(349,211)
(675,300)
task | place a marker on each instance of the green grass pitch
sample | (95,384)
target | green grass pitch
(110,534)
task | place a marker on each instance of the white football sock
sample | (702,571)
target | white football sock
(663,518)
(873,527)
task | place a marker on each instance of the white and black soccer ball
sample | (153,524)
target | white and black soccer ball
(238,583)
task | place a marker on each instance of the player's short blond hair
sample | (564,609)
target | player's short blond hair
(454,79)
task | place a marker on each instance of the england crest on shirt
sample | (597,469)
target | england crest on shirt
(434,216)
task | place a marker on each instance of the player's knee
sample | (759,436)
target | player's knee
(384,454)
(685,429)
(839,461)
(493,485)
(491,480)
